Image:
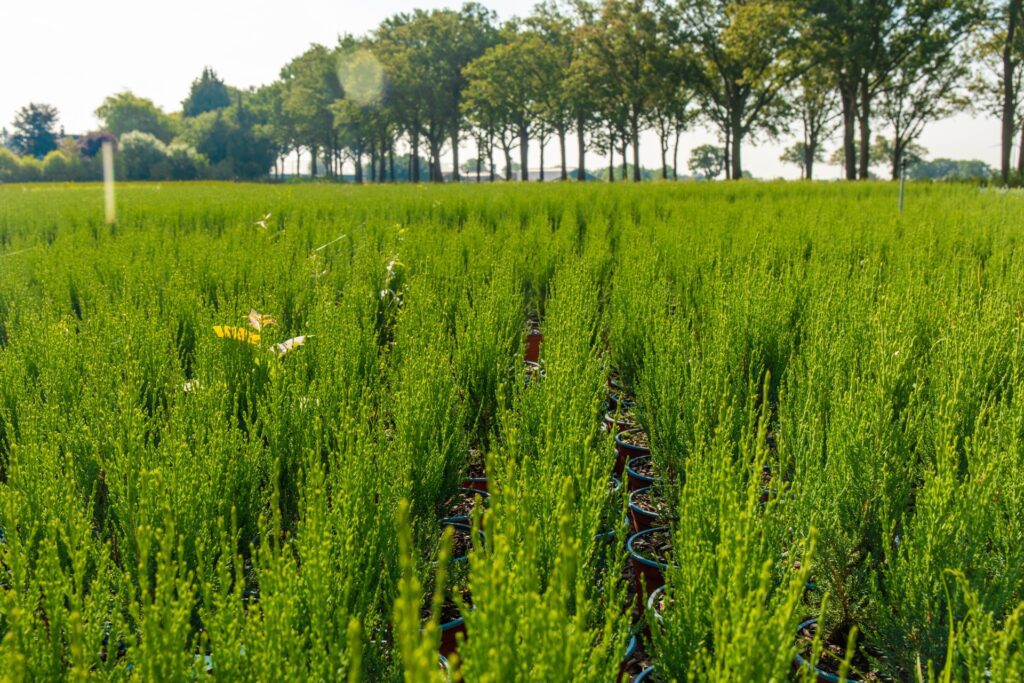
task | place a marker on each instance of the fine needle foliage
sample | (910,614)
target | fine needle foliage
(227,449)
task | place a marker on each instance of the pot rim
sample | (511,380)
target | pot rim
(803,663)
(640,558)
(639,510)
(640,450)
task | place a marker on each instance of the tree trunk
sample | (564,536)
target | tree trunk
(414,171)
(542,141)
(581,142)
(810,149)
(1013,12)
(561,149)
(391,161)
(634,129)
(479,166)
(727,165)
(625,163)
(864,119)
(663,142)
(435,162)
(298,162)
(897,157)
(737,141)
(312,170)
(359,168)
(508,162)
(675,158)
(848,96)
(611,161)
(1020,154)
(373,164)
(490,154)
(455,154)
(524,153)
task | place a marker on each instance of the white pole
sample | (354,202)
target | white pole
(108,181)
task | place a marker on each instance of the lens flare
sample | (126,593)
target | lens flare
(362,77)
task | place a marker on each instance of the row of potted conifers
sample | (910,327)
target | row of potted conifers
(475,488)
(649,546)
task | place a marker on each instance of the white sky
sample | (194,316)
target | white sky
(73,54)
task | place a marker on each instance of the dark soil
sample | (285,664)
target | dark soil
(635,438)
(476,471)
(833,653)
(462,541)
(656,546)
(449,610)
(461,504)
(625,415)
(652,499)
(643,466)
(638,661)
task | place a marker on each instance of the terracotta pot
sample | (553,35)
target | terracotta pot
(475,483)
(533,342)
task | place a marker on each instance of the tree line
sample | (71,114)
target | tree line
(593,74)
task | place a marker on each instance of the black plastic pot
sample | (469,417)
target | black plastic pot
(625,452)
(463,527)
(642,519)
(650,573)
(630,649)
(800,663)
(636,479)
(449,631)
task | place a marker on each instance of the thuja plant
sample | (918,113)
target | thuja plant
(662,391)
(417,640)
(636,300)
(918,604)
(545,591)
(424,418)
(734,590)
(488,339)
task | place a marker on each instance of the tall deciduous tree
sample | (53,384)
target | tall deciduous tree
(424,54)
(35,130)
(866,41)
(310,86)
(817,104)
(628,46)
(998,86)
(509,79)
(125,112)
(750,52)
(557,50)
(927,87)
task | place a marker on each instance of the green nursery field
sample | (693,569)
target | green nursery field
(245,432)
